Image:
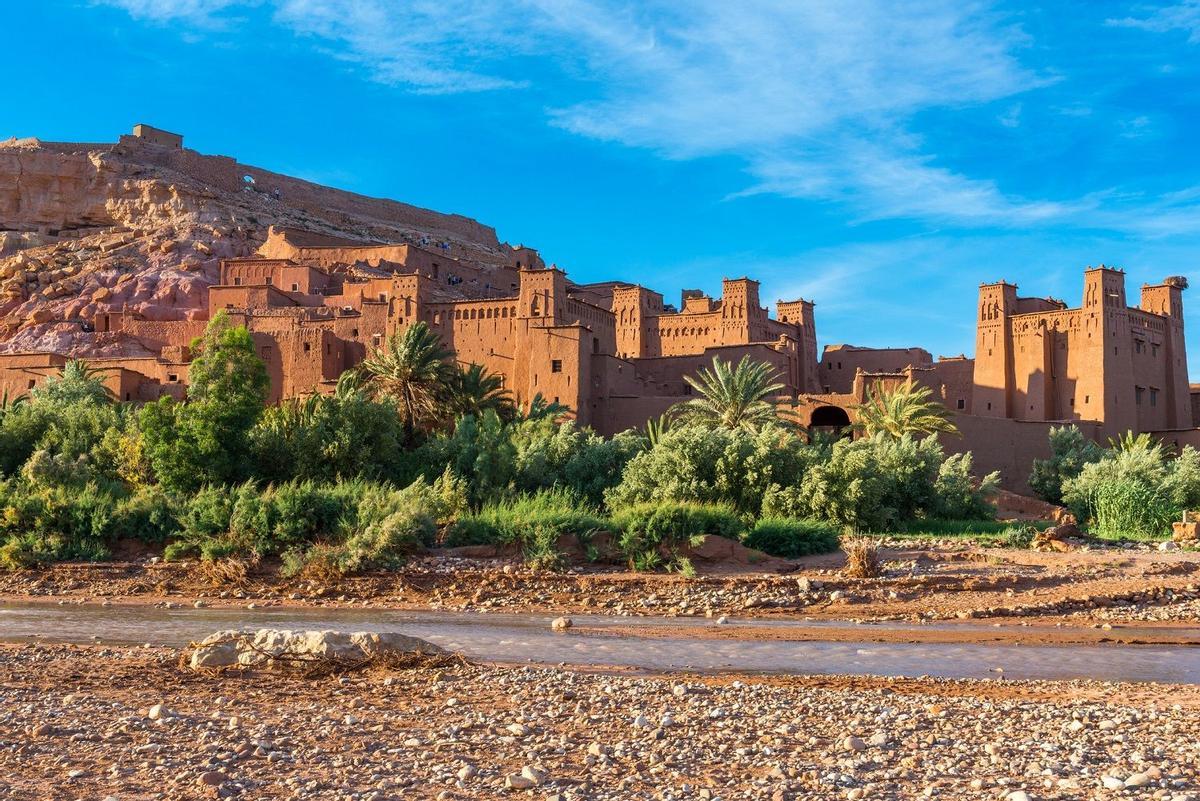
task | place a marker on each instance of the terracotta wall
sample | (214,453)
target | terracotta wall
(840,362)
(1009,446)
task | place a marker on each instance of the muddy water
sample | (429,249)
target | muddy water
(527,638)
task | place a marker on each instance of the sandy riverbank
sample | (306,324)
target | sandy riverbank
(947,581)
(76,723)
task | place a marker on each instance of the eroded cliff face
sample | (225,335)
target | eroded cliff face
(86,229)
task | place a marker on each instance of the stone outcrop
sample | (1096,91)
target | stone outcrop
(283,646)
(91,228)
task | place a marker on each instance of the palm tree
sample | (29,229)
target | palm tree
(904,409)
(9,404)
(78,382)
(412,371)
(540,408)
(732,397)
(1131,442)
(657,428)
(350,385)
(474,391)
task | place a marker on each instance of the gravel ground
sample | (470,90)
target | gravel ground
(100,723)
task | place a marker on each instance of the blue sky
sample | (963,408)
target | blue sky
(879,158)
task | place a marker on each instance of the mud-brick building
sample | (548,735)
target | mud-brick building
(1124,367)
(615,354)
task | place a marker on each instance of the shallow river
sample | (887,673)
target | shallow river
(527,638)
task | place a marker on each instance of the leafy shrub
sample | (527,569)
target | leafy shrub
(714,466)
(958,496)
(1021,537)
(871,483)
(148,515)
(653,534)
(1070,450)
(497,458)
(389,526)
(42,524)
(792,538)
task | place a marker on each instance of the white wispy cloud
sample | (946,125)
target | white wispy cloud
(1183,16)
(818,100)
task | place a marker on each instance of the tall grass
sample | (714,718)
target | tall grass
(533,522)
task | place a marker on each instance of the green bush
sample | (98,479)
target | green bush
(871,484)
(791,538)
(1133,492)
(43,524)
(534,522)
(656,534)
(497,459)
(1130,510)
(715,466)
(389,526)
(957,495)
(1070,450)
(148,515)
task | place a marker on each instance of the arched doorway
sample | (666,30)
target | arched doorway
(830,421)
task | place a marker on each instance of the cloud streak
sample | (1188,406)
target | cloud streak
(820,101)
(1183,16)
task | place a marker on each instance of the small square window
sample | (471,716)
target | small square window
(354,332)
(307,347)
(962,404)
(295,287)
(237,281)
(556,365)
(172,377)
(270,280)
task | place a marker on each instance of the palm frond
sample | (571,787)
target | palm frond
(907,408)
(734,397)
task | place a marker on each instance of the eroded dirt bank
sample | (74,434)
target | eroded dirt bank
(82,723)
(937,582)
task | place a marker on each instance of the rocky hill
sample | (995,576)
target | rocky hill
(87,228)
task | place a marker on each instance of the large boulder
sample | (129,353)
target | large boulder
(270,646)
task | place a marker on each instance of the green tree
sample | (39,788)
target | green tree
(732,397)
(905,409)
(473,390)
(206,439)
(412,371)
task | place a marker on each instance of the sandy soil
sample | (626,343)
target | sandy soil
(936,582)
(82,723)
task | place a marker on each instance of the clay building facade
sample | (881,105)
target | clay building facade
(1122,367)
(617,354)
